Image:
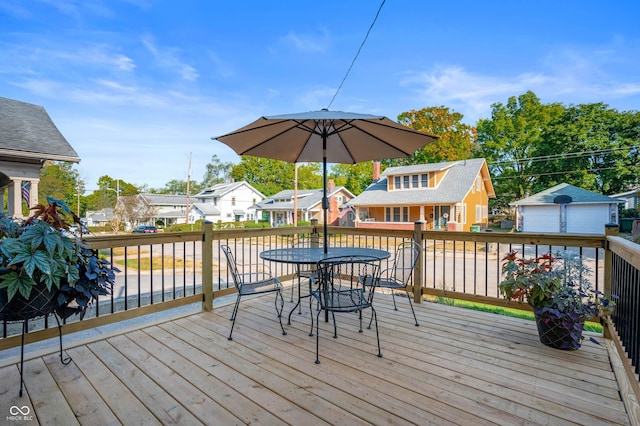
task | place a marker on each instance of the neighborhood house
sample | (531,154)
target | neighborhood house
(566,208)
(279,209)
(450,195)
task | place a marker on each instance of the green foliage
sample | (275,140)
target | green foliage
(456,139)
(217,172)
(558,286)
(41,250)
(272,176)
(530,146)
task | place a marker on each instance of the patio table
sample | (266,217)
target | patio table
(312,255)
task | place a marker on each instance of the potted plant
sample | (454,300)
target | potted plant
(559,291)
(44,268)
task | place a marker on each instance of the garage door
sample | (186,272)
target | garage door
(541,218)
(587,218)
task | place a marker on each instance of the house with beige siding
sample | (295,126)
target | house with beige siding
(450,196)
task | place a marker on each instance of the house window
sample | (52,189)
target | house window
(425,180)
(397,182)
(415,181)
(478,184)
(396,214)
(478,213)
(406,182)
(387,214)
(233,201)
(405,214)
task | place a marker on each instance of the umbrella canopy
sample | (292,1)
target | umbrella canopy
(327,136)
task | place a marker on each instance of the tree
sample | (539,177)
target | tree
(109,190)
(455,139)
(266,175)
(530,147)
(131,210)
(508,141)
(60,181)
(355,177)
(594,147)
(217,172)
(179,187)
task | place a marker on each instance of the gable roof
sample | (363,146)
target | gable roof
(221,189)
(164,199)
(27,131)
(206,209)
(578,195)
(457,182)
(307,199)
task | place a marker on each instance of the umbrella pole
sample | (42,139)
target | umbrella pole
(325,200)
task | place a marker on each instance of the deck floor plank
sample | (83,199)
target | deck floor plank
(459,367)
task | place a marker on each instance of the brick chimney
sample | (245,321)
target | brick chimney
(331,186)
(376,171)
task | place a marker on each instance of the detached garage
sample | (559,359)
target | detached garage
(566,209)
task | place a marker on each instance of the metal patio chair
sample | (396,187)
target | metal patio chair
(399,275)
(304,272)
(341,288)
(252,283)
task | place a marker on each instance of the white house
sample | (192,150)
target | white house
(630,198)
(233,202)
(566,208)
(278,209)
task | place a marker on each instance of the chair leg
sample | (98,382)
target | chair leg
(279,312)
(375,315)
(393,296)
(318,336)
(233,316)
(411,304)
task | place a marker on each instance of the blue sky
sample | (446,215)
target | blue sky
(139,86)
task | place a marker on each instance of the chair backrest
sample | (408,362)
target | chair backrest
(405,261)
(346,274)
(233,266)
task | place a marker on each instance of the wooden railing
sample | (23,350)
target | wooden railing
(169,270)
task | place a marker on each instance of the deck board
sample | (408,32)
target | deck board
(459,367)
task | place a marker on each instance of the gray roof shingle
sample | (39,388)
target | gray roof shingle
(27,130)
(458,181)
(578,195)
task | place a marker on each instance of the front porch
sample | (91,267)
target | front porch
(459,367)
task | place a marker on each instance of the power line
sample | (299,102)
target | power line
(357,54)
(556,173)
(562,155)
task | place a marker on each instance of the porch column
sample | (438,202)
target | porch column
(33,192)
(15,199)
(421,213)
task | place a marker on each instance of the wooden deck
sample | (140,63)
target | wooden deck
(459,367)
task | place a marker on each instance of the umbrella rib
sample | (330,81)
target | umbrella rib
(408,130)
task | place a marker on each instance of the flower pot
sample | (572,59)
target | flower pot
(40,303)
(559,333)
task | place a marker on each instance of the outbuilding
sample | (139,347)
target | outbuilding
(566,209)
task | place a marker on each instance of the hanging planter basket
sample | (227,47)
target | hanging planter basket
(40,303)
(559,333)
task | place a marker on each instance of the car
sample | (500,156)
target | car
(145,229)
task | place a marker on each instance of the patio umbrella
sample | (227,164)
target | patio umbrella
(327,136)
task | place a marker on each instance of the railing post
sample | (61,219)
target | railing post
(207,266)
(610,230)
(418,278)
(314,237)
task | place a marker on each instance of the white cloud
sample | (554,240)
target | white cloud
(167,58)
(306,42)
